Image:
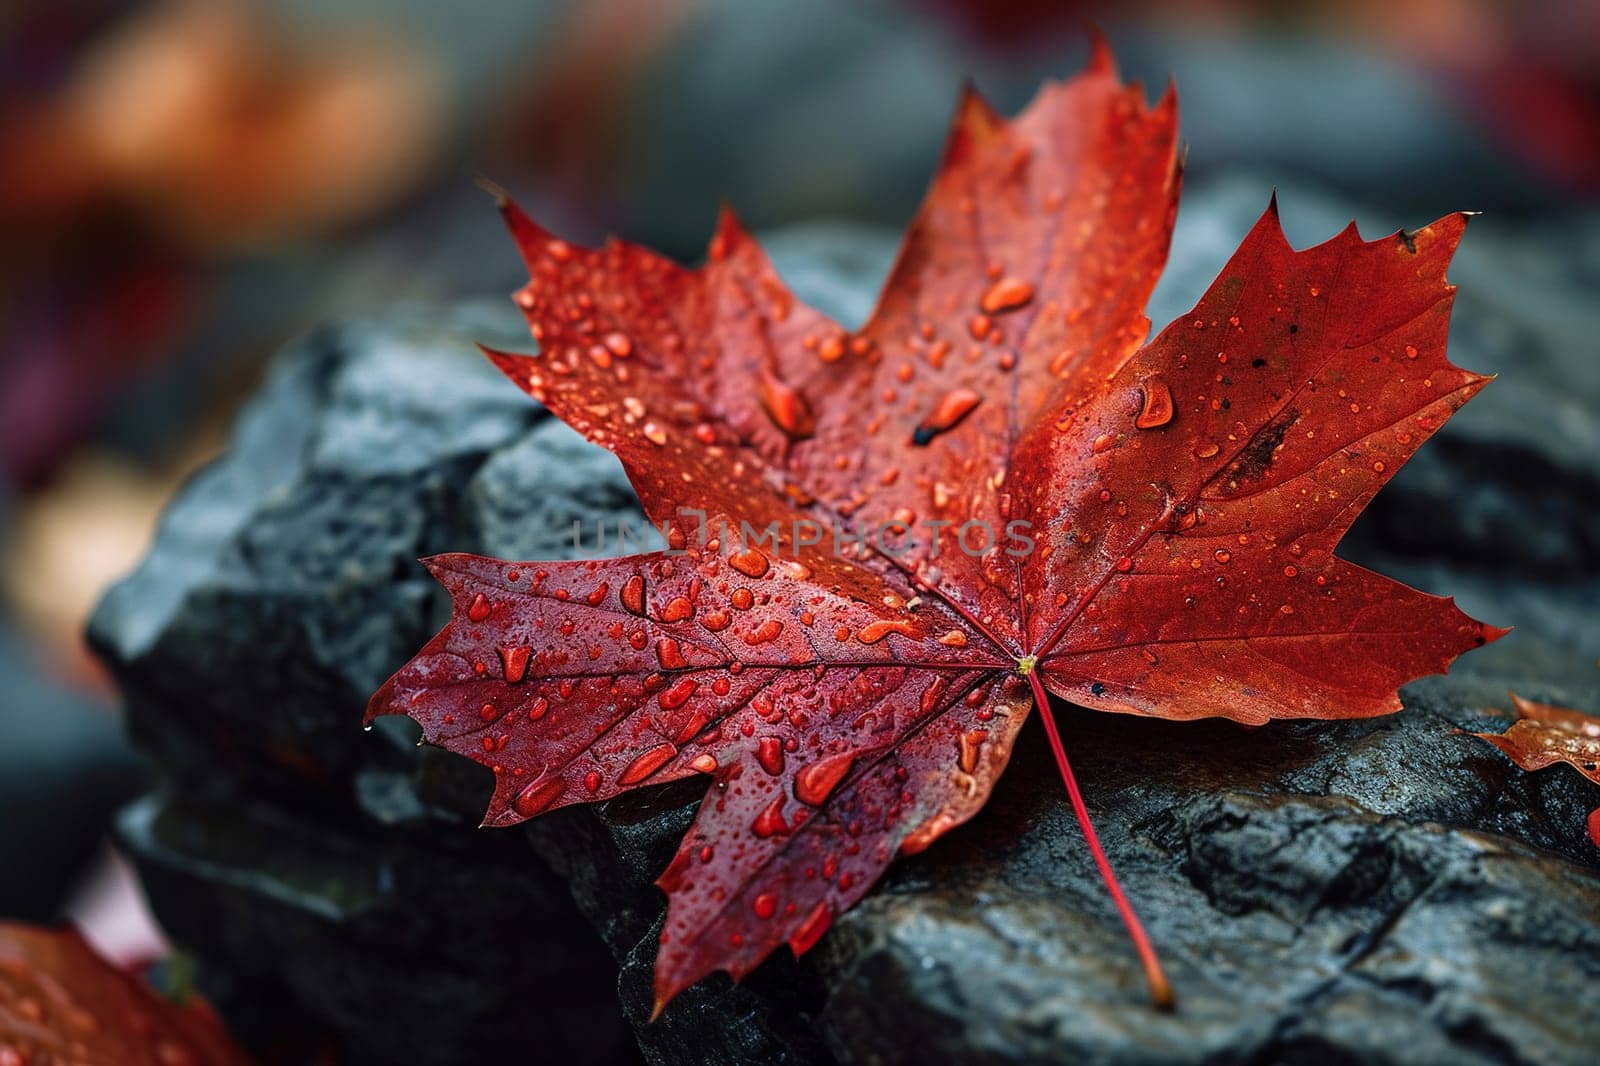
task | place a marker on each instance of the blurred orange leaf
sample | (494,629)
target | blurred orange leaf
(61,1002)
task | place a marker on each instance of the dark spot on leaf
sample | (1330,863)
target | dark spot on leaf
(1257,456)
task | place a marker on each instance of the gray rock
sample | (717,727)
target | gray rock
(330,873)
(1347,892)
(406,946)
(283,583)
(1379,891)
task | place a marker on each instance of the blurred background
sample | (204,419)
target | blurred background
(185,184)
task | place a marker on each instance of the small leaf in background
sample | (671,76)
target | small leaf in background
(1544,735)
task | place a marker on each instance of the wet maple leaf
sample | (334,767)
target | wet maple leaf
(991,490)
(61,1002)
(1544,735)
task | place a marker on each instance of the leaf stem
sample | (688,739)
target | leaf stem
(1160,990)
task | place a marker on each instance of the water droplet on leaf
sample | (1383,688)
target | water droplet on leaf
(1156,409)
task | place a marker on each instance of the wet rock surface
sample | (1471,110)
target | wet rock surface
(1378,891)
(1392,918)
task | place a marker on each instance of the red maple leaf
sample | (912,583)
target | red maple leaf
(1544,735)
(61,1002)
(992,490)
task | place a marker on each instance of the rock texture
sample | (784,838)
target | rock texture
(319,872)
(1379,891)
